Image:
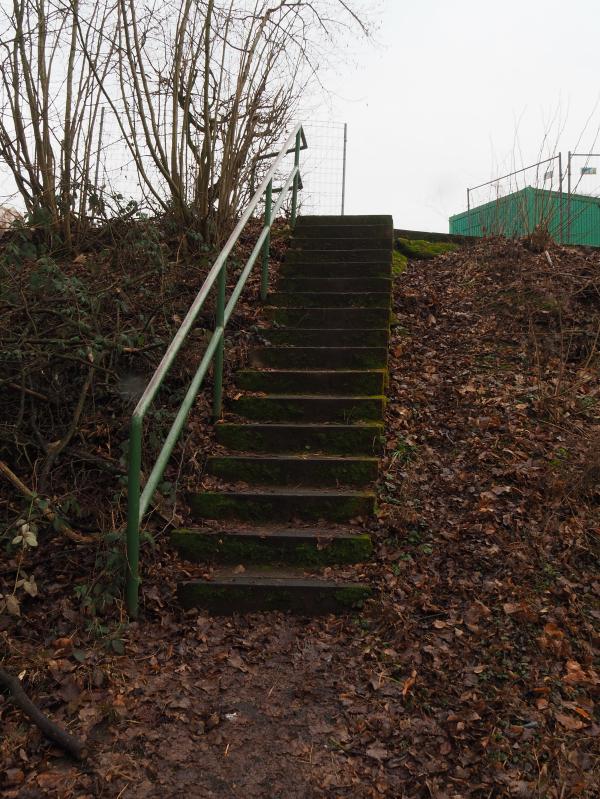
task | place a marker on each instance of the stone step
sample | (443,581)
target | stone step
(316,243)
(317,220)
(306,408)
(345,254)
(290,285)
(283,381)
(329,318)
(282,504)
(382,268)
(298,337)
(319,357)
(331,439)
(229,592)
(347,232)
(286,470)
(273,546)
(329,299)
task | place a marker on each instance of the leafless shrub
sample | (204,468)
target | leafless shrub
(196,91)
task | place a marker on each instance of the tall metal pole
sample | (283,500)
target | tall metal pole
(344,167)
(560,189)
(97,171)
(296,180)
(264,277)
(569,197)
(469,212)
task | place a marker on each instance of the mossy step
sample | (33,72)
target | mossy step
(348,232)
(282,505)
(249,592)
(382,268)
(333,439)
(305,408)
(311,244)
(335,220)
(319,357)
(283,381)
(273,546)
(306,470)
(345,254)
(329,318)
(328,284)
(330,299)
(298,337)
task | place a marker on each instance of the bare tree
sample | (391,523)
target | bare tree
(50,102)
(196,90)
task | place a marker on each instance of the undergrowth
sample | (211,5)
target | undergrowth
(80,336)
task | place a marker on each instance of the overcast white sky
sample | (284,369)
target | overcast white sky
(433,106)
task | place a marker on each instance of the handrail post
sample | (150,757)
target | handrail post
(264,278)
(220,352)
(133,516)
(296,178)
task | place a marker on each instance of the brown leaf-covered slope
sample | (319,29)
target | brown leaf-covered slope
(473,674)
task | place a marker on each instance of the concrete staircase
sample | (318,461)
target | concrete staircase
(304,434)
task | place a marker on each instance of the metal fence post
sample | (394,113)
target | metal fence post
(220,351)
(296,178)
(344,167)
(264,278)
(569,157)
(469,212)
(133,517)
(560,189)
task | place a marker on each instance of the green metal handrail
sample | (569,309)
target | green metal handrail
(138,500)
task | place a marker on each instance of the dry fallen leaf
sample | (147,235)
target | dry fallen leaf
(409,683)
(378,751)
(569,722)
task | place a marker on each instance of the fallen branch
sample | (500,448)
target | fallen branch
(52,731)
(29,391)
(45,508)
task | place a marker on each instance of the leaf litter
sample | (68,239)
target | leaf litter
(472,674)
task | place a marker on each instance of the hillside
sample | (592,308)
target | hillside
(471,674)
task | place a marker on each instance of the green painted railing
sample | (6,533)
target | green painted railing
(138,499)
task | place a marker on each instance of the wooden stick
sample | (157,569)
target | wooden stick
(52,731)
(29,391)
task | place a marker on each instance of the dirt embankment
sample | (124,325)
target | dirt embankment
(472,675)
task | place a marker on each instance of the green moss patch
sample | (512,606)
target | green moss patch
(306,597)
(308,471)
(266,507)
(399,261)
(272,550)
(421,250)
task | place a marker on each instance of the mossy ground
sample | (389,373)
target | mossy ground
(399,262)
(421,250)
